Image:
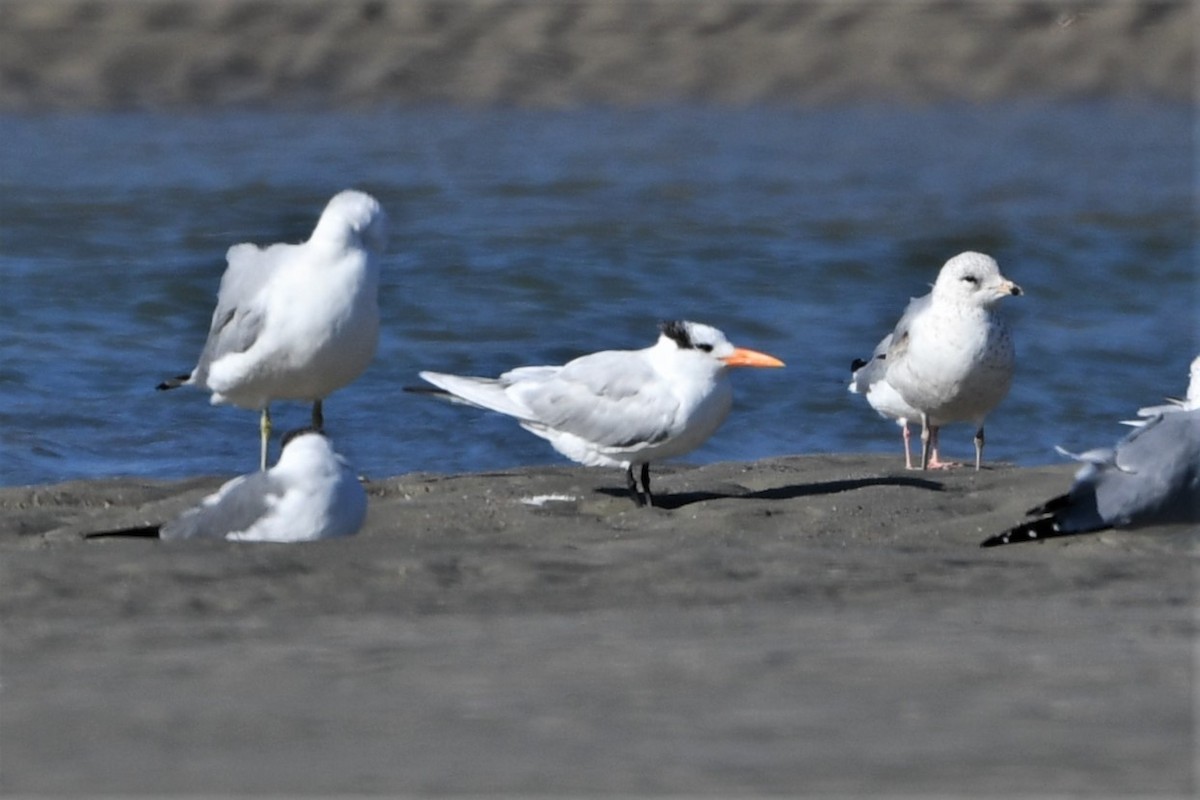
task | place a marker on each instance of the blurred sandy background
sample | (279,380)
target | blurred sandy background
(100,54)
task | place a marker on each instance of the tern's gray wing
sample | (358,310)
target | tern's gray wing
(612,399)
(898,343)
(238,318)
(1152,477)
(234,507)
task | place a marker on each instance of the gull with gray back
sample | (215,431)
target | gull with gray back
(951,357)
(296,321)
(1151,477)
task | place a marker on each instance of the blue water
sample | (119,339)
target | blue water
(524,237)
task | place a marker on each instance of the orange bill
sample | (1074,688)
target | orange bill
(742,357)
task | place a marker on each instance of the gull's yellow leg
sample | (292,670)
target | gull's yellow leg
(264,427)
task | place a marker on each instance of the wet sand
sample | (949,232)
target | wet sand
(807,625)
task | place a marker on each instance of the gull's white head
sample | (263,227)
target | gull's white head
(694,339)
(974,279)
(1193,390)
(353,218)
(303,447)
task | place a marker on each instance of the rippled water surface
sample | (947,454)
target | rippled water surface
(523,237)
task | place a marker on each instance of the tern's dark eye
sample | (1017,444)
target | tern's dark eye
(704,348)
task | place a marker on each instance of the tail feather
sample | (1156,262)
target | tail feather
(854,386)
(174,383)
(432,391)
(482,392)
(440,394)
(144,532)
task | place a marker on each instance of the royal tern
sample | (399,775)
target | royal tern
(310,493)
(951,356)
(623,408)
(1152,477)
(296,321)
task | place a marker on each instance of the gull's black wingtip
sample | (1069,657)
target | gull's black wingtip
(1035,531)
(998,539)
(1032,531)
(173,383)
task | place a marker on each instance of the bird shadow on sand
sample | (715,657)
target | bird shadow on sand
(677,500)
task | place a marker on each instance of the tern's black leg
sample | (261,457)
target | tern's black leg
(646,484)
(926,435)
(318,417)
(631,483)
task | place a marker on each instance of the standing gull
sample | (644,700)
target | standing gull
(621,408)
(951,357)
(869,378)
(296,321)
(1152,477)
(310,493)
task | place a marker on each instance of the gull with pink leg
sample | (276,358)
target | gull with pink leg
(951,356)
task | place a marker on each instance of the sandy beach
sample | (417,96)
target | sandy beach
(806,625)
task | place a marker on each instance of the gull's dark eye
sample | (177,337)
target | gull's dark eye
(971,279)
(705,348)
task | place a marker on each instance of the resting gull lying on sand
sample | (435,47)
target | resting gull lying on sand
(1151,477)
(310,493)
